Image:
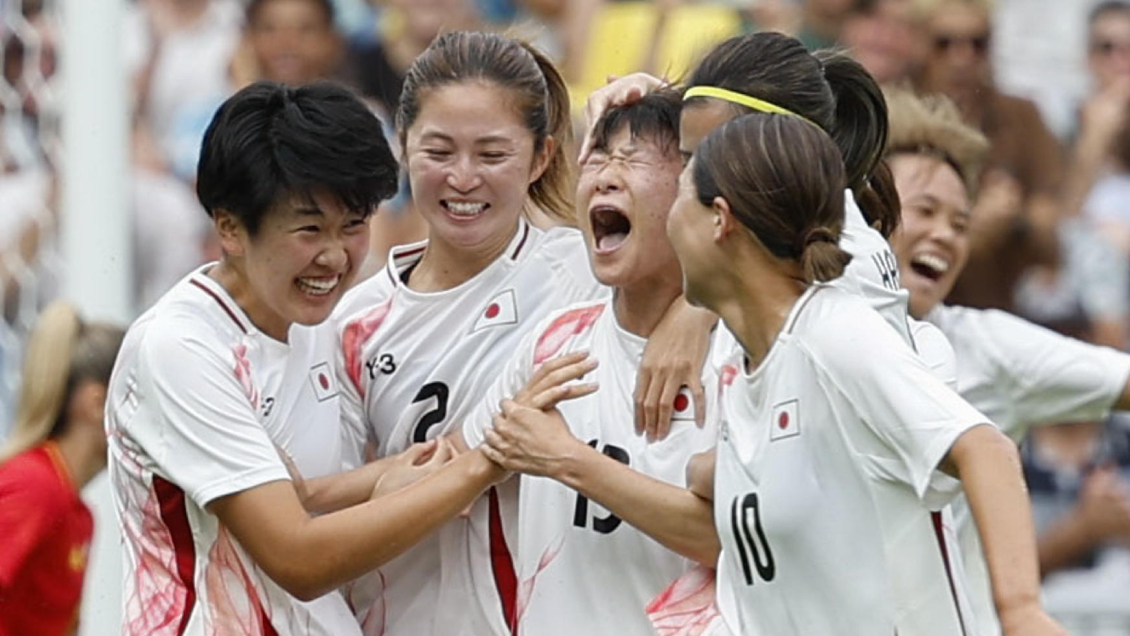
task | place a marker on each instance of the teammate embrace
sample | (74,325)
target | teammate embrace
(503,344)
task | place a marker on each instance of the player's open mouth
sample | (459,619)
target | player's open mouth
(931,266)
(610,228)
(318,286)
(464,210)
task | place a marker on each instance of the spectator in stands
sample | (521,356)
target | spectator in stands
(408,26)
(1080,493)
(57,447)
(178,53)
(291,42)
(880,34)
(1017,214)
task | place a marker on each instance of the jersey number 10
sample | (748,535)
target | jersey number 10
(744,513)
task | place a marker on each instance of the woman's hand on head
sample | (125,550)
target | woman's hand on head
(620,91)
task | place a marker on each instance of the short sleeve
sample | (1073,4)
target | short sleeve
(935,350)
(1055,379)
(518,370)
(895,395)
(206,437)
(354,425)
(27,511)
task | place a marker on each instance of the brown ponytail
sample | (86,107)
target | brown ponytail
(543,99)
(553,192)
(784,181)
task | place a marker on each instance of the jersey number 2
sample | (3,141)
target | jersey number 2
(437,390)
(745,512)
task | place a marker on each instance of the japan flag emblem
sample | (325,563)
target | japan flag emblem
(785,422)
(683,409)
(322,378)
(500,310)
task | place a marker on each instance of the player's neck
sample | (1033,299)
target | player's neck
(758,308)
(234,281)
(641,306)
(444,266)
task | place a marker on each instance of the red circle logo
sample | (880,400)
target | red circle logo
(323,380)
(493,310)
(783,419)
(681,402)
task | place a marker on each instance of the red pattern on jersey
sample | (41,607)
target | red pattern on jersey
(686,607)
(502,565)
(158,604)
(170,499)
(569,324)
(243,375)
(233,599)
(939,534)
(353,338)
(526,588)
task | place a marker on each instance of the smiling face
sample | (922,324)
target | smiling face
(471,161)
(623,196)
(298,265)
(931,242)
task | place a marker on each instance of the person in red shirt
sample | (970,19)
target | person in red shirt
(57,446)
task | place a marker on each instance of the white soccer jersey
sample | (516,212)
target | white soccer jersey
(825,462)
(414,365)
(873,273)
(580,569)
(1021,375)
(198,402)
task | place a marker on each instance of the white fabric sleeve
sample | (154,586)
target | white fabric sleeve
(935,350)
(206,437)
(1055,378)
(518,370)
(895,395)
(354,427)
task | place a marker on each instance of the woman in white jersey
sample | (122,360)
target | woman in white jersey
(233,364)
(482,120)
(833,431)
(1017,373)
(584,569)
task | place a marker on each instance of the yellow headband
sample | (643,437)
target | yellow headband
(759,105)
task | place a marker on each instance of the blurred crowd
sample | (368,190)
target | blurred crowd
(1047,81)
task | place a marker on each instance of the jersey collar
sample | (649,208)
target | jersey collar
(403,257)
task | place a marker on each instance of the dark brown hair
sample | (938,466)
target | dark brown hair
(543,99)
(654,117)
(784,180)
(827,87)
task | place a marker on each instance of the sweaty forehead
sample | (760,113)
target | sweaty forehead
(646,142)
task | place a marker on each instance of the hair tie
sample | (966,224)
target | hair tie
(742,99)
(819,234)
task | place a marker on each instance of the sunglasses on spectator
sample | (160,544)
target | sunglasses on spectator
(1109,47)
(944,43)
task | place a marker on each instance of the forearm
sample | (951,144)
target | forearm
(675,517)
(989,467)
(1064,544)
(309,556)
(336,492)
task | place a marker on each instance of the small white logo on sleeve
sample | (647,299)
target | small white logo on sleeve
(501,310)
(786,421)
(683,409)
(323,381)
